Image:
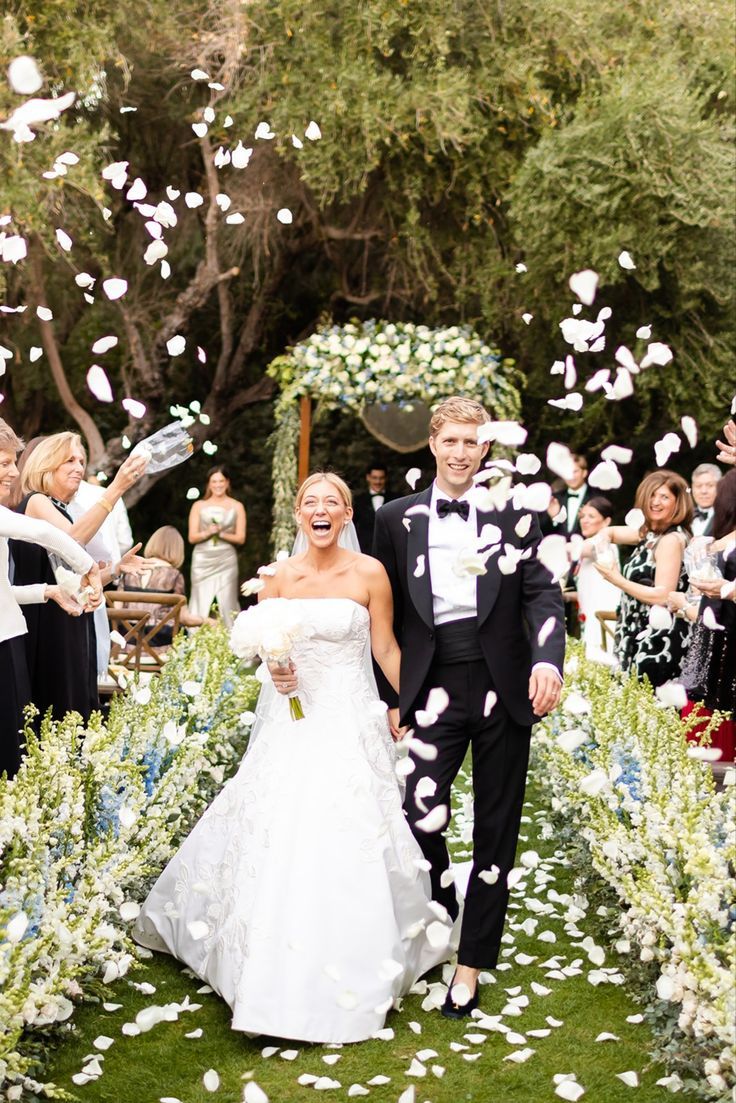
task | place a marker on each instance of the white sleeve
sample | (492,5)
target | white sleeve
(34,594)
(123,530)
(16,526)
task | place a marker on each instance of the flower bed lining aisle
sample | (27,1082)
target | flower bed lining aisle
(634,805)
(91,816)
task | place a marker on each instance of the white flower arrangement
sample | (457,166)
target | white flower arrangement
(664,841)
(360,363)
(89,820)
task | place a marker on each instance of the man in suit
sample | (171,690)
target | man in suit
(703,487)
(495,643)
(564,508)
(367,504)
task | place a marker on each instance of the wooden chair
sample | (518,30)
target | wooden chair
(607,620)
(129,613)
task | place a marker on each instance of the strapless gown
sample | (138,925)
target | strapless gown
(300,896)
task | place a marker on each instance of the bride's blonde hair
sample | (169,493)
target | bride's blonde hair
(327,476)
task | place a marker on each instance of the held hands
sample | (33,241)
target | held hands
(284,678)
(398,731)
(544,690)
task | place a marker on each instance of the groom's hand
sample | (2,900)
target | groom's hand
(394,721)
(544,690)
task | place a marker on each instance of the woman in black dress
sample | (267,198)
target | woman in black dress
(61,650)
(652,644)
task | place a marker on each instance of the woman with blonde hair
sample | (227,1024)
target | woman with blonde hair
(652,644)
(61,650)
(15,690)
(164,553)
(301,895)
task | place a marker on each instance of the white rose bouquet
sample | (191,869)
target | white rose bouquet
(269,631)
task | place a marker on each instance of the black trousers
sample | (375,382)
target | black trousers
(15,693)
(500,755)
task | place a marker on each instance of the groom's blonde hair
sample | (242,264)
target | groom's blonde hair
(325,476)
(457,409)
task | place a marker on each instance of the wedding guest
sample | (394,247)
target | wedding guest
(109,544)
(300,896)
(61,650)
(368,502)
(595,593)
(217,526)
(164,553)
(703,486)
(644,643)
(709,669)
(15,689)
(564,509)
(495,643)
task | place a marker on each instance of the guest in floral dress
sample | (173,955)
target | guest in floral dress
(165,554)
(649,641)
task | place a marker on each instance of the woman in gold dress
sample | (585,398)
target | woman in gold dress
(217,526)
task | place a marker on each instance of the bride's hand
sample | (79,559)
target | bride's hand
(284,678)
(394,722)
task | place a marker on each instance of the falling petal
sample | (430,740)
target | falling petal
(114,288)
(134,407)
(434,820)
(625,260)
(264,132)
(99,384)
(193,199)
(546,630)
(104,344)
(490,702)
(65,242)
(285,216)
(644,333)
(175,345)
(584,284)
(690,428)
(527,318)
(412,476)
(313,132)
(657,353)
(605,476)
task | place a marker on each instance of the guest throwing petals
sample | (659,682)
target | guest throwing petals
(651,644)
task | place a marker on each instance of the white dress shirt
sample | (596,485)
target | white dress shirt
(700,524)
(574,498)
(377,501)
(16,526)
(454,596)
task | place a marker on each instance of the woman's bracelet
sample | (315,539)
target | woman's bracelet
(105,504)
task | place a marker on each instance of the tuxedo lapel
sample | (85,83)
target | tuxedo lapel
(487,585)
(417,544)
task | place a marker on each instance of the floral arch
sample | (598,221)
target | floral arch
(360,364)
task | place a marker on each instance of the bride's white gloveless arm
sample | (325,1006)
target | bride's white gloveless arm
(385,649)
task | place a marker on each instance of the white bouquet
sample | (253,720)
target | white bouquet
(269,631)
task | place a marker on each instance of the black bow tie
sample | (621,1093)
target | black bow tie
(445,507)
(701,514)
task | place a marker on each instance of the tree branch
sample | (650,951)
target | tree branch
(95,443)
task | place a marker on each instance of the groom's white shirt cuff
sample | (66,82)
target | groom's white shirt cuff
(547,666)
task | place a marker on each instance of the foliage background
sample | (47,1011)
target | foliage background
(458,139)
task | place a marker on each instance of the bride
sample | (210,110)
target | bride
(301,895)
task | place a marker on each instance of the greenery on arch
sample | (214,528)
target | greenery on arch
(363,362)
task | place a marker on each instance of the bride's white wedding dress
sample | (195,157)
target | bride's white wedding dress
(300,896)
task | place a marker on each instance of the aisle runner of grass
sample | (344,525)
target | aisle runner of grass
(550,1009)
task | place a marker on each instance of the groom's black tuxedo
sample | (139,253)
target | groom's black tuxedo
(512,608)
(471,658)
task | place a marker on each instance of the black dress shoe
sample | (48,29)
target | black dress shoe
(452,1010)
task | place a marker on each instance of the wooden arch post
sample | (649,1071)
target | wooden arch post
(305,425)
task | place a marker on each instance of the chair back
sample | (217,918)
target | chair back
(129,613)
(607,620)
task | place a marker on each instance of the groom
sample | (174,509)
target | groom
(496,643)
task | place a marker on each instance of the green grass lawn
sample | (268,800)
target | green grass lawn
(165,1064)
